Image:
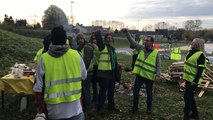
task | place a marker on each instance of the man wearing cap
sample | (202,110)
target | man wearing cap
(58,80)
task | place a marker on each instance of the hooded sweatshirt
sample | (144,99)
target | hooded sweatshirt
(62,110)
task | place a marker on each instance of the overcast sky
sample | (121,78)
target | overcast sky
(132,12)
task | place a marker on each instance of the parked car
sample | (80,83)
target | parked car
(209,59)
(164,57)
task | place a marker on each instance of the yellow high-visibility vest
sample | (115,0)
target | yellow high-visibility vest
(62,77)
(191,67)
(176,54)
(104,62)
(146,67)
(38,55)
(95,58)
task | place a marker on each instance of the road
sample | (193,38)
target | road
(128,51)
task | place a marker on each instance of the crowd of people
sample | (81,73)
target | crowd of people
(65,74)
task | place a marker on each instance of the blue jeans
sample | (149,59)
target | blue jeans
(138,83)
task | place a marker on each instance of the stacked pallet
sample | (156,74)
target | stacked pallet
(175,70)
(175,73)
(207,80)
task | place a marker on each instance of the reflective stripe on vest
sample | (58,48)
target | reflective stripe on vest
(95,59)
(62,77)
(146,67)
(104,62)
(176,54)
(191,67)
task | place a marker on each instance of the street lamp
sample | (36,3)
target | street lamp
(139,25)
(71,12)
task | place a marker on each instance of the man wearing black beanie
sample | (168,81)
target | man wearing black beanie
(58,80)
(58,36)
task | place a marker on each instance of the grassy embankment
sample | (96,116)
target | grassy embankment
(16,48)
(167,100)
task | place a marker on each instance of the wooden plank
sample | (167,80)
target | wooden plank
(209,78)
(175,63)
(209,70)
(204,88)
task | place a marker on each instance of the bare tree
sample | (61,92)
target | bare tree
(193,24)
(113,25)
(162,25)
(172,28)
(148,27)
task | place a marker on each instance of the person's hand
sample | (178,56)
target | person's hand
(193,84)
(98,31)
(124,30)
(157,77)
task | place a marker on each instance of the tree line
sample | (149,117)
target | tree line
(54,16)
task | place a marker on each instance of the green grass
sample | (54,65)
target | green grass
(121,42)
(167,100)
(16,48)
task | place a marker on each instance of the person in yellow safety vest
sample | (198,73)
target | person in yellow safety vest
(147,69)
(194,68)
(38,55)
(93,67)
(46,44)
(89,52)
(106,73)
(134,51)
(176,54)
(58,80)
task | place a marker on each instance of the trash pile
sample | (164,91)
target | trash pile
(127,89)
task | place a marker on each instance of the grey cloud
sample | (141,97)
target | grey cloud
(170,8)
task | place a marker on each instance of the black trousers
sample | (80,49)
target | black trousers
(190,104)
(107,86)
(94,86)
(139,81)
